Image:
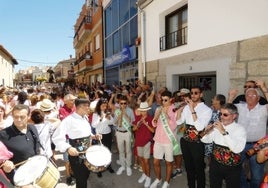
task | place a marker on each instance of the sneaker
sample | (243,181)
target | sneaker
(142,178)
(147,182)
(165,185)
(177,172)
(135,166)
(70,181)
(155,183)
(129,171)
(140,169)
(120,170)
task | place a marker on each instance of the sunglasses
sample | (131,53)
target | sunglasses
(246,87)
(224,114)
(250,95)
(195,93)
(164,100)
(123,103)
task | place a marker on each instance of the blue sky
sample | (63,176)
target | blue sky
(38,30)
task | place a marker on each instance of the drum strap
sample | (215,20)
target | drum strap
(5,182)
(36,140)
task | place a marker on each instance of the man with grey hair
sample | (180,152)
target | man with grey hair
(229,139)
(253,117)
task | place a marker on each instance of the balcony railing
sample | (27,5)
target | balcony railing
(83,63)
(83,28)
(174,39)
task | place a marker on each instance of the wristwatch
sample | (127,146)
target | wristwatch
(225,133)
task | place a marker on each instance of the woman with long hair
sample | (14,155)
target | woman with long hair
(101,121)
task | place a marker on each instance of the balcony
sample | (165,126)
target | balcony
(83,63)
(174,39)
(82,31)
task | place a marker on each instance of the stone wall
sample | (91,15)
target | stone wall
(249,61)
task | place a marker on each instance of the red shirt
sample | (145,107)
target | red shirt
(143,135)
(65,111)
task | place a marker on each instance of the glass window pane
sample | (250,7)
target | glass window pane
(116,42)
(109,47)
(133,30)
(124,11)
(125,34)
(108,21)
(133,8)
(114,15)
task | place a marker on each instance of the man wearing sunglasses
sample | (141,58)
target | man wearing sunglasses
(229,139)
(165,141)
(196,116)
(253,117)
(124,116)
(250,84)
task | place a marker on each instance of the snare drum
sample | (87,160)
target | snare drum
(98,158)
(38,170)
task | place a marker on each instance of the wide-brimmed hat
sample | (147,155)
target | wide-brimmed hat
(46,105)
(144,106)
(69,97)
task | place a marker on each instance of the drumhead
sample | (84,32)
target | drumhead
(31,170)
(98,155)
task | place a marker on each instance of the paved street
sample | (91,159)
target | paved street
(113,180)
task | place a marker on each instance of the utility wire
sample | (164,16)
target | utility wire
(35,62)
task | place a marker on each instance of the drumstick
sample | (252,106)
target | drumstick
(82,152)
(20,163)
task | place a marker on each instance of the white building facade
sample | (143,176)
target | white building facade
(216,44)
(7,67)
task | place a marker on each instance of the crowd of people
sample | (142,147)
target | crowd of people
(143,124)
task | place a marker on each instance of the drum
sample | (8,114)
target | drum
(37,170)
(98,158)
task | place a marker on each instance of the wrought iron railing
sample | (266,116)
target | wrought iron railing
(174,39)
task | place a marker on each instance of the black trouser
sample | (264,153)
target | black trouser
(218,172)
(193,156)
(107,140)
(81,172)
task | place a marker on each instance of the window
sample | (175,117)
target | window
(116,43)
(123,11)
(125,34)
(115,15)
(108,21)
(97,42)
(90,49)
(120,25)
(133,30)
(176,29)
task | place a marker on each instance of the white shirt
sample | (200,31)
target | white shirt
(102,126)
(254,120)
(203,113)
(45,131)
(75,126)
(235,140)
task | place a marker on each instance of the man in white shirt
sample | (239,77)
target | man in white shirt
(196,116)
(253,117)
(229,139)
(77,127)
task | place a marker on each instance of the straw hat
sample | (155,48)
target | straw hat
(144,106)
(46,105)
